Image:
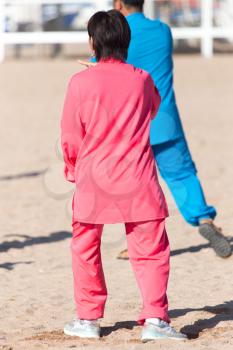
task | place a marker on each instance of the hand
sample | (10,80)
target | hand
(87,64)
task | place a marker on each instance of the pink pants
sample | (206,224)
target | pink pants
(149,254)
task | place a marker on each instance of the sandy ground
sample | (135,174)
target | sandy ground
(36,280)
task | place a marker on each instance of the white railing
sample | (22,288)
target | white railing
(206,32)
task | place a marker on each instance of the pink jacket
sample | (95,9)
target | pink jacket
(105,141)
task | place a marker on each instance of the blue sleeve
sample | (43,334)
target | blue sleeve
(168,37)
(93,60)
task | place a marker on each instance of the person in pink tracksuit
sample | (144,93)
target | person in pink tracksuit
(105,140)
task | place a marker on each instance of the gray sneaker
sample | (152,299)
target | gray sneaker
(83,329)
(159,329)
(217,240)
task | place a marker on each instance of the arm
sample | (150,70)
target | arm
(155,98)
(163,79)
(91,63)
(72,132)
(87,64)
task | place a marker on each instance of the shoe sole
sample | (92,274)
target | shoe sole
(123,255)
(122,258)
(220,244)
(147,340)
(80,335)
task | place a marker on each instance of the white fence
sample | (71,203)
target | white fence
(206,32)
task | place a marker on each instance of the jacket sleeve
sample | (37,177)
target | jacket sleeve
(155,98)
(72,131)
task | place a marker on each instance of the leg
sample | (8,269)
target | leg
(89,284)
(149,254)
(179,172)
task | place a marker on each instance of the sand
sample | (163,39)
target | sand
(36,294)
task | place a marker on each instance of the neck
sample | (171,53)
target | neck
(111,60)
(131,11)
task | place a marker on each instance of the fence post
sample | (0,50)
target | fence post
(2,30)
(101,5)
(149,8)
(207,28)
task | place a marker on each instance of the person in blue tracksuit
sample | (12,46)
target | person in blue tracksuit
(151,49)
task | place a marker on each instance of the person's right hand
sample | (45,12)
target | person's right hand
(87,64)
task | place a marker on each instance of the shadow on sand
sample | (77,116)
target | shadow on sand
(221,312)
(10,266)
(194,249)
(22,175)
(30,241)
(105,331)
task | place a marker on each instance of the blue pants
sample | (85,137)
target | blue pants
(178,170)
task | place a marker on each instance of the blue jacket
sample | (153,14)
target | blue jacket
(151,49)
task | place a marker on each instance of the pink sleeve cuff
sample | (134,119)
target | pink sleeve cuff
(68,175)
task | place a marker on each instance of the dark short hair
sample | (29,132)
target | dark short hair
(111,35)
(134,3)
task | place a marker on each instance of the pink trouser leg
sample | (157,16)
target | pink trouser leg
(149,255)
(89,284)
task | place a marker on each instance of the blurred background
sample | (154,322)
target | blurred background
(40,42)
(52,28)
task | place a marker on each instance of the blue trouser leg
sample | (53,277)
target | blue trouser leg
(178,170)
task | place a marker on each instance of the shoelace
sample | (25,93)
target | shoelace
(168,327)
(88,323)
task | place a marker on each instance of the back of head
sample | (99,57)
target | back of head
(110,35)
(134,3)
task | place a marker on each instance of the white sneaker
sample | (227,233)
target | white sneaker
(155,329)
(83,329)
